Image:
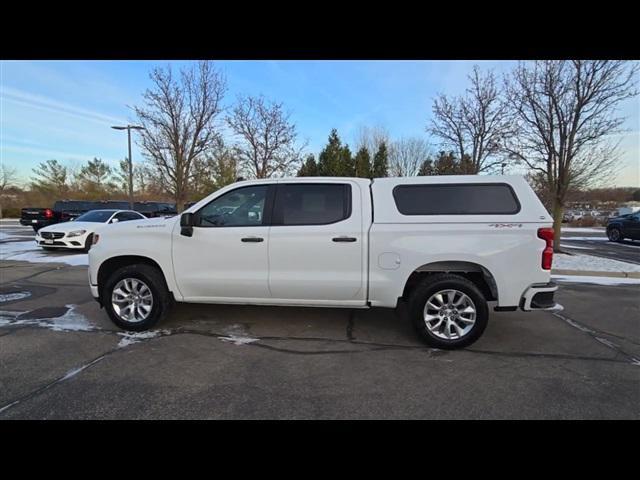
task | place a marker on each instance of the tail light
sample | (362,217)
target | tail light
(48,213)
(546,234)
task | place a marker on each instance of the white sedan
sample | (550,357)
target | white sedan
(78,233)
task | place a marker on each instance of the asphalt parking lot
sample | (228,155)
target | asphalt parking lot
(61,358)
(594,242)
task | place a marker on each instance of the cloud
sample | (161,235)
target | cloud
(49,154)
(19,97)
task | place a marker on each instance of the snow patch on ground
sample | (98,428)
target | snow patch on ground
(562,261)
(583,229)
(130,338)
(30,252)
(237,334)
(9,297)
(238,340)
(71,321)
(610,281)
(6,236)
(579,239)
(573,246)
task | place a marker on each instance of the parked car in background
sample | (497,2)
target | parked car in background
(65,210)
(78,233)
(627,210)
(445,245)
(62,211)
(624,226)
(155,209)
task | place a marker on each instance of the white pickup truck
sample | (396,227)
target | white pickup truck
(446,245)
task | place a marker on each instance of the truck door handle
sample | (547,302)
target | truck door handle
(252,239)
(344,239)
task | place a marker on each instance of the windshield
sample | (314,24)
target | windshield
(99,216)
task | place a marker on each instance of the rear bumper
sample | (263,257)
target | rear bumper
(35,222)
(539,296)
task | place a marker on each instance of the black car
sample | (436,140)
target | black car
(624,226)
(62,211)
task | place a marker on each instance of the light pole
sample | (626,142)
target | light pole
(128,128)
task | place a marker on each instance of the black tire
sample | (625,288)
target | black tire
(615,235)
(153,278)
(87,243)
(443,281)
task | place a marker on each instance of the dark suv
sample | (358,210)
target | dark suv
(155,209)
(624,226)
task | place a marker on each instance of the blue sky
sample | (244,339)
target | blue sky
(63,109)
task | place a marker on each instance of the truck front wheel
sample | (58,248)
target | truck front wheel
(136,297)
(448,311)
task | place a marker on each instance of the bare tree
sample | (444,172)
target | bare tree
(566,115)
(214,171)
(406,156)
(180,120)
(267,138)
(7,179)
(474,124)
(371,138)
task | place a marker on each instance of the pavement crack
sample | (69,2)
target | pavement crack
(597,336)
(559,356)
(37,273)
(70,374)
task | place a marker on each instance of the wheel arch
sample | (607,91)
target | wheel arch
(476,273)
(114,263)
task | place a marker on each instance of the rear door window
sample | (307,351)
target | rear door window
(456,199)
(312,203)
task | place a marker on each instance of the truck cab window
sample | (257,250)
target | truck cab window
(243,207)
(312,204)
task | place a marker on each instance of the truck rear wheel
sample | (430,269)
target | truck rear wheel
(136,297)
(448,311)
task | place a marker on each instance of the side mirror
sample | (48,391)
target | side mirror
(186,224)
(114,220)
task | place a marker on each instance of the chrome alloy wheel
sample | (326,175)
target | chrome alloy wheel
(449,314)
(132,300)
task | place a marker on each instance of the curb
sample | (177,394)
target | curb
(596,273)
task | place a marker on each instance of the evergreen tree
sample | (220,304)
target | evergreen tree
(95,178)
(335,160)
(95,171)
(447,164)
(427,168)
(51,178)
(363,163)
(309,168)
(330,156)
(347,163)
(381,162)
